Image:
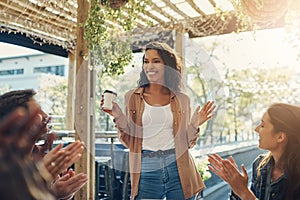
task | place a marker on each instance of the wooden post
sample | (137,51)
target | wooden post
(180,43)
(71,93)
(180,50)
(84,107)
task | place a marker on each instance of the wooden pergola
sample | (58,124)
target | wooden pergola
(55,22)
(52,26)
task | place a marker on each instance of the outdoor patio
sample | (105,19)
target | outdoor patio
(57,27)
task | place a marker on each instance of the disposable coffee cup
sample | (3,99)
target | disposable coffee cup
(109,97)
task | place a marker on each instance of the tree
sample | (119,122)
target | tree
(52,95)
(240,95)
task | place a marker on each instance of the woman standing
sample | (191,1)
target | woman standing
(158,130)
(276,174)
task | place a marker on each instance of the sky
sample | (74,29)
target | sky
(267,48)
(10,50)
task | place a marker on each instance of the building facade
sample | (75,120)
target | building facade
(22,72)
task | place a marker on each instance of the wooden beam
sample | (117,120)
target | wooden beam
(160,11)
(84,113)
(39,30)
(180,44)
(149,14)
(195,7)
(37,14)
(177,10)
(208,27)
(22,40)
(213,3)
(71,93)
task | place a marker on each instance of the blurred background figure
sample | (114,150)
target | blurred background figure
(21,178)
(64,181)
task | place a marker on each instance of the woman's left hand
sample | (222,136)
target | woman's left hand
(229,172)
(203,114)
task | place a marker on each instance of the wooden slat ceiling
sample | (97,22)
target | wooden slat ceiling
(54,21)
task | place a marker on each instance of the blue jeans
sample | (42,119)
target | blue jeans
(160,179)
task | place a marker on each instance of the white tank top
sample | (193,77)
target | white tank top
(157,128)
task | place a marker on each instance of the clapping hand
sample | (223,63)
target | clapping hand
(58,159)
(229,172)
(68,183)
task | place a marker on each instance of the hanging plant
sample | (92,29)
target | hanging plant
(114,4)
(107,32)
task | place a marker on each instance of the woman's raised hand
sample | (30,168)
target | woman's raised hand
(203,114)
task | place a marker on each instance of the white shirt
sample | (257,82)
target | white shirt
(157,128)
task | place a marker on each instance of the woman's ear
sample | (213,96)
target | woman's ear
(282,137)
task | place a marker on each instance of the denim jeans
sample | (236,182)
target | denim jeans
(160,179)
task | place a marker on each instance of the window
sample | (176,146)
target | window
(11,72)
(57,70)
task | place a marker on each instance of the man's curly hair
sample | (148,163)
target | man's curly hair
(14,99)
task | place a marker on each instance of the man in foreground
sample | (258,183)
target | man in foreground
(64,182)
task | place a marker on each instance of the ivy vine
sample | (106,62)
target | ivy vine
(107,32)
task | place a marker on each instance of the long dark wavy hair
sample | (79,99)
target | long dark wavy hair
(286,118)
(173,66)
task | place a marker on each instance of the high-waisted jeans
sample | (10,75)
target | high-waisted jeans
(160,179)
